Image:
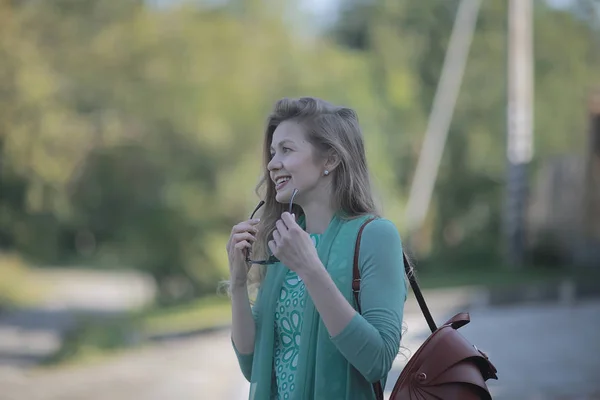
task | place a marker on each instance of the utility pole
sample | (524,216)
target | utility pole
(520,126)
(590,218)
(440,117)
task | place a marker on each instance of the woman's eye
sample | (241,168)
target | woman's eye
(283,150)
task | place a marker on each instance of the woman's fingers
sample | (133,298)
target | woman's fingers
(246,226)
(289,220)
(243,231)
(277,237)
(238,237)
(243,245)
(273,246)
(281,226)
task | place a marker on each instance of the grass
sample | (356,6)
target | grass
(498,277)
(18,286)
(93,341)
(203,313)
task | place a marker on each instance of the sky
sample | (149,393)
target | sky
(325,9)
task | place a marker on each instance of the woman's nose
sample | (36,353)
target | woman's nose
(274,164)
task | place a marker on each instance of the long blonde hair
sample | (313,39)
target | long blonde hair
(332,130)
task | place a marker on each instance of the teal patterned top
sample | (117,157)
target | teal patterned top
(288,325)
(342,367)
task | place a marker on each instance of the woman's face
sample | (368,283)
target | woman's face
(293,163)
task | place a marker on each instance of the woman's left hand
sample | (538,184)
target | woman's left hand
(293,246)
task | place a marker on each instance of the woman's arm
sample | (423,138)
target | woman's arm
(243,328)
(334,309)
(370,341)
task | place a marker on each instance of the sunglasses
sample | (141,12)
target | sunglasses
(272,259)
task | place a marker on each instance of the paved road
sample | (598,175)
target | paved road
(29,335)
(198,368)
(542,352)
(548,352)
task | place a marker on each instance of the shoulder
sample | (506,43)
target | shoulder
(381,229)
(381,249)
(379,237)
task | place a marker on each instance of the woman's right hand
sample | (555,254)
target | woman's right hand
(243,235)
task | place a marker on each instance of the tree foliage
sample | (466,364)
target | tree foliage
(465,220)
(130,134)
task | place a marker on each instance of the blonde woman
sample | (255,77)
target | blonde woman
(303,338)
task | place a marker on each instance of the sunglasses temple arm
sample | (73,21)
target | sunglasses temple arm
(294,193)
(262,202)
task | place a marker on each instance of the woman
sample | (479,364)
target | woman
(303,338)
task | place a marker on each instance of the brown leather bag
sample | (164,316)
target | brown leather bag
(446,366)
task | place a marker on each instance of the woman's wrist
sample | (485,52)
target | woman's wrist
(313,270)
(238,286)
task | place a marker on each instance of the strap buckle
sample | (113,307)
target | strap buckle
(356,285)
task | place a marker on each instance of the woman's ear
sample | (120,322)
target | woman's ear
(332,161)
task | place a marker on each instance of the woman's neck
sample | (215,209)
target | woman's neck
(318,216)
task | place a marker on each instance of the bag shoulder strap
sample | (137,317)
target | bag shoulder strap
(355,268)
(413,283)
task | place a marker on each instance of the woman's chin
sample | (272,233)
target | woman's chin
(282,197)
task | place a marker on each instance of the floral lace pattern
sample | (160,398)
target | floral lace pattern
(288,325)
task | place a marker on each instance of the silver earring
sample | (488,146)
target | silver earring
(326,172)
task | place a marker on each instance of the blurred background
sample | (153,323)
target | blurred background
(130,143)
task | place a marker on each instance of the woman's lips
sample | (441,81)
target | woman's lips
(281,185)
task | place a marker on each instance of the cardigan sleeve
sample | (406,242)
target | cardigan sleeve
(245,360)
(371,341)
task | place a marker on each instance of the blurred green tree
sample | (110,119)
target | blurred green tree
(464,223)
(147,145)
(130,135)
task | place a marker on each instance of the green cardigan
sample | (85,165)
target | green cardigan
(344,366)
